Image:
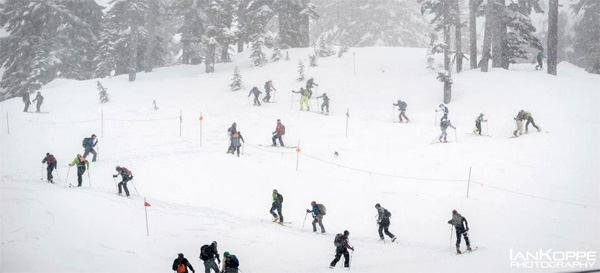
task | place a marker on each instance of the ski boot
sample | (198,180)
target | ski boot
(469,248)
(393,239)
(276,219)
(458,250)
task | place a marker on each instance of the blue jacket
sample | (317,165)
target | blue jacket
(316,210)
(90,143)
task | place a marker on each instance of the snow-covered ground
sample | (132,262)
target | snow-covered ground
(199,193)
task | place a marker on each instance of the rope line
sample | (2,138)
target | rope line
(266,150)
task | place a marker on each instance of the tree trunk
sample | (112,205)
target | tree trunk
(487,36)
(447,92)
(132,67)
(186,53)
(473,33)
(225,53)
(240,45)
(447,48)
(552,36)
(210,57)
(458,37)
(499,34)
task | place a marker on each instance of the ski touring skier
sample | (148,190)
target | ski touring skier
(278,133)
(51,162)
(126,176)
(230,132)
(478,122)
(527,116)
(88,144)
(540,58)
(444,124)
(231,263)
(26,101)
(318,211)
(325,104)
(39,99)
(268,88)
(342,244)
(402,108)
(236,142)
(303,99)
(256,93)
(277,205)
(519,122)
(383,220)
(208,254)
(82,165)
(181,264)
(444,111)
(462,227)
(309,86)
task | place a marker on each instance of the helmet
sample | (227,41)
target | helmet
(313,203)
(226,254)
(234,124)
(481,114)
(180,255)
(377,205)
(441,105)
(214,243)
(274,190)
(118,168)
(454,211)
(346,232)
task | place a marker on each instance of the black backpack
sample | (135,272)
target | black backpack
(336,241)
(204,253)
(85,141)
(280,198)
(387,213)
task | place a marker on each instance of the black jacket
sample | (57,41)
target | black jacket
(182,261)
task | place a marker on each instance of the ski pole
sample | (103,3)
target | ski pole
(136,191)
(350,262)
(435,120)
(393,114)
(42,173)
(455,137)
(89,179)
(451,229)
(67,179)
(303,222)
(57,173)
(487,129)
(116,185)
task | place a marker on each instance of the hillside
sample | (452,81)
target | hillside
(538,191)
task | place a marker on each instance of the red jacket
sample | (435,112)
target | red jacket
(280,129)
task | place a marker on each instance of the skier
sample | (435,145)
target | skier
(235,142)
(89,143)
(519,122)
(304,98)
(82,165)
(457,221)
(277,205)
(402,108)
(279,132)
(478,122)
(256,93)
(39,99)
(317,213)
(383,220)
(231,131)
(540,57)
(309,85)
(208,254)
(325,102)
(341,243)
(268,87)
(181,264)
(527,116)
(444,111)
(444,124)
(26,100)
(126,176)
(50,160)
(230,263)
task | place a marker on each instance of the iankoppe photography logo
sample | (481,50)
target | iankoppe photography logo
(549,258)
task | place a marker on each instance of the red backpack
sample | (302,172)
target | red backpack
(51,159)
(181,268)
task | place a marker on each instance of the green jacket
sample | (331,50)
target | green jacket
(302,92)
(526,115)
(77,162)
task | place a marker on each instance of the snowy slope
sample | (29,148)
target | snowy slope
(200,193)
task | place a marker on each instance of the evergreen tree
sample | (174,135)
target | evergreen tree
(586,48)
(313,60)
(47,39)
(359,23)
(258,56)
(344,49)
(444,16)
(300,71)
(323,49)
(487,36)
(446,78)
(191,29)
(236,81)
(277,55)
(103,92)
(293,21)
(552,37)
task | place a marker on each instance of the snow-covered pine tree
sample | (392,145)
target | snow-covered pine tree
(154,41)
(344,49)
(520,35)
(103,92)
(258,55)
(300,71)
(312,60)
(105,58)
(323,49)
(444,17)
(191,29)
(277,55)
(359,23)
(236,81)
(586,48)
(40,46)
(294,19)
